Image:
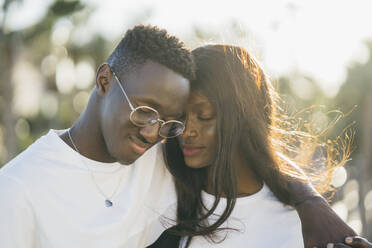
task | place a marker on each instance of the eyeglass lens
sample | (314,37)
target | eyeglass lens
(143,116)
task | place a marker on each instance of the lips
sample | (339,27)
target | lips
(191,150)
(138,146)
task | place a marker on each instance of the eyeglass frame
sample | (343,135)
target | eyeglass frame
(133,109)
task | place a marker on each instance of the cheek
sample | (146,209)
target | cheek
(115,126)
(210,141)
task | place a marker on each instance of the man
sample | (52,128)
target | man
(67,189)
(70,188)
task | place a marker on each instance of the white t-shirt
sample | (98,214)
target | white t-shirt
(262,222)
(48,199)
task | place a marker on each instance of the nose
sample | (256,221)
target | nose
(190,130)
(151,133)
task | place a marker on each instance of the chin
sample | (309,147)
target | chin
(127,158)
(192,163)
(126,162)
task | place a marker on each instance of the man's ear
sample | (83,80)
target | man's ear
(104,78)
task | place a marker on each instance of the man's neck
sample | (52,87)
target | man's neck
(87,135)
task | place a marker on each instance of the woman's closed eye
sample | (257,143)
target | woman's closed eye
(206,117)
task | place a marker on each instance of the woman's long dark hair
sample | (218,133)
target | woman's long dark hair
(248,117)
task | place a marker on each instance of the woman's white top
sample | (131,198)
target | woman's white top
(262,222)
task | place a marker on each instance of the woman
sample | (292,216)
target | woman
(235,156)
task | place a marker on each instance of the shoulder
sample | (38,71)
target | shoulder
(29,163)
(281,215)
(277,208)
(13,194)
(17,227)
(21,162)
(270,212)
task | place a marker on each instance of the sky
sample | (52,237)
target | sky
(320,38)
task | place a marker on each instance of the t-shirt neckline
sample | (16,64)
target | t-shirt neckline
(82,161)
(262,193)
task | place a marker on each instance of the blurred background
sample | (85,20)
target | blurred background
(318,53)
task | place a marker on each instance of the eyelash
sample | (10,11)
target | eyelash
(205,119)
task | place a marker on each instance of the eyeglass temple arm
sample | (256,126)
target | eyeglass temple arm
(122,89)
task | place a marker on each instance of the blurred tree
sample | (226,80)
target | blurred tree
(357,90)
(8,49)
(34,44)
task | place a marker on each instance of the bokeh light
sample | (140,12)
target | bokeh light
(48,65)
(341,209)
(368,201)
(22,129)
(65,75)
(351,194)
(302,88)
(80,101)
(49,105)
(61,32)
(339,177)
(28,89)
(85,74)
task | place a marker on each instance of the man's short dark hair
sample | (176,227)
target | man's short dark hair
(147,42)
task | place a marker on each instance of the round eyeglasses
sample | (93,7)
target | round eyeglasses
(143,116)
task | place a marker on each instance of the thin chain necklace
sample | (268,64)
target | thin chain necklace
(108,199)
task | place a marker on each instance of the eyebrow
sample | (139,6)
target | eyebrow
(155,105)
(202,104)
(151,102)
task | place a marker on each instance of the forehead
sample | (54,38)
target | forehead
(198,99)
(158,85)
